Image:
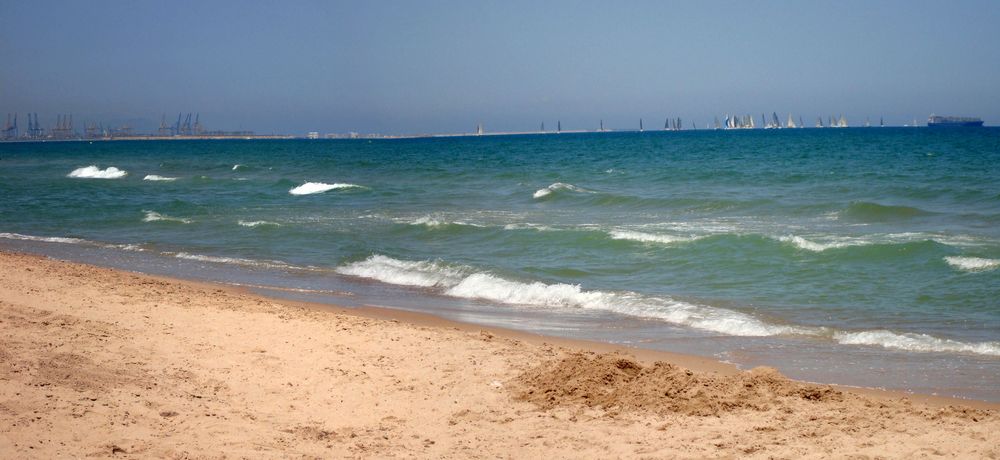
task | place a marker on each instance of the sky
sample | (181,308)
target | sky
(409,67)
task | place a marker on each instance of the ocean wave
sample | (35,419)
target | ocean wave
(402,272)
(873,212)
(257,223)
(528,226)
(808,245)
(972,264)
(154,177)
(233,260)
(153,216)
(544,192)
(432,222)
(649,237)
(71,240)
(464,282)
(93,172)
(46,239)
(310,188)
(915,342)
(238,167)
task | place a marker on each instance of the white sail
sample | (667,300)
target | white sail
(790,123)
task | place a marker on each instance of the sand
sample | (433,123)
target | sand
(106,363)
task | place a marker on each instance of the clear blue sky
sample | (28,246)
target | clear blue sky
(411,67)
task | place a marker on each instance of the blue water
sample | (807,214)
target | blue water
(857,256)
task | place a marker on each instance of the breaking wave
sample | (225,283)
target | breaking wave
(154,177)
(649,237)
(915,342)
(257,223)
(464,282)
(153,216)
(310,188)
(233,260)
(432,222)
(544,192)
(70,240)
(47,239)
(93,172)
(972,264)
(808,245)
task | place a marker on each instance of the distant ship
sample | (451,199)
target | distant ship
(939,121)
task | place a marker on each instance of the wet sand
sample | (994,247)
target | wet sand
(102,362)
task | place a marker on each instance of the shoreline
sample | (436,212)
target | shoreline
(648,355)
(104,362)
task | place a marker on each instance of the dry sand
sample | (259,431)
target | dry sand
(100,362)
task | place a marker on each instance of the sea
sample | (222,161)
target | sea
(858,256)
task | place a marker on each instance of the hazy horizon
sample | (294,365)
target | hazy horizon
(439,67)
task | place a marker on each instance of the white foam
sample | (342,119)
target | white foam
(406,273)
(808,245)
(69,240)
(544,192)
(972,264)
(153,216)
(648,237)
(238,167)
(46,239)
(915,342)
(232,260)
(464,282)
(93,172)
(432,222)
(257,223)
(429,222)
(154,177)
(309,188)
(529,226)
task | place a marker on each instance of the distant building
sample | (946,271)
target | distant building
(312,135)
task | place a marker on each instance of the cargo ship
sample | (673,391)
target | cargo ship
(939,121)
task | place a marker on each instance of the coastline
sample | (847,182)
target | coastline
(108,362)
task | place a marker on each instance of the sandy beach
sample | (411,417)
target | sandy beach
(96,362)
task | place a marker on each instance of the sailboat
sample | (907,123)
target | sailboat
(881,122)
(842,123)
(790,123)
(819,122)
(717,123)
(640,125)
(801,124)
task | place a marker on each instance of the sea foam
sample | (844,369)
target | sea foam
(47,239)
(153,216)
(465,282)
(310,188)
(232,260)
(915,342)
(154,177)
(544,192)
(648,237)
(972,264)
(808,245)
(257,223)
(93,172)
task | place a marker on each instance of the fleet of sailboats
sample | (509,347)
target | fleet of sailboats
(728,121)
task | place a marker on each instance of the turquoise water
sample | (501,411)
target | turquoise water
(859,256)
